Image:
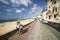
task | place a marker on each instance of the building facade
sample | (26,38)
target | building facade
(53,11)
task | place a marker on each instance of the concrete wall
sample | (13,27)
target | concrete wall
(10,26)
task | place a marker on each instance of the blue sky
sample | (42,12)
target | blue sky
(20,8)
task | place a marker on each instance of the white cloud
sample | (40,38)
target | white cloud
(36,9)
(23,2)
(4,1)
(34,5)
(17,2)
(22,9)
(33,9)
(18,11)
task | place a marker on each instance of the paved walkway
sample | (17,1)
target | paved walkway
(41,32)
(25,35)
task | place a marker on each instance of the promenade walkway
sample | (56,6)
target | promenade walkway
(43,32)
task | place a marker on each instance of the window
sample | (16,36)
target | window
(49,6)
(54,2)
(51,0)
(49,17)
(55,16)
(54,9)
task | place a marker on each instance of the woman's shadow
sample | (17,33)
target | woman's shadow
(25,30)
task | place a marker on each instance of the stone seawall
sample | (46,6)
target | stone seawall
(10,26)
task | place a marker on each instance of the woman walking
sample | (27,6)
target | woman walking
(19,27)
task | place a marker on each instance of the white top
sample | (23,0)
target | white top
(17,26)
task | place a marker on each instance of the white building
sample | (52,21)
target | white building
(53,10)
(44,16)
